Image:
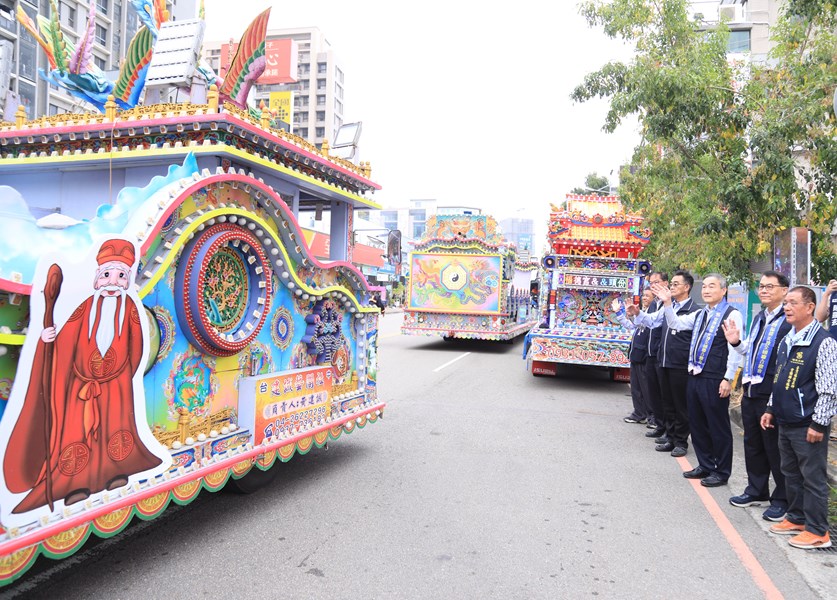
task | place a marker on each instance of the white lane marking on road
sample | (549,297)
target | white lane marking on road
(450,362)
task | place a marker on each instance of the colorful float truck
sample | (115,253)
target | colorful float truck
(181,336)
(465,282)
(593,260)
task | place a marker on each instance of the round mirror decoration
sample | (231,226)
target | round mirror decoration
(225,285)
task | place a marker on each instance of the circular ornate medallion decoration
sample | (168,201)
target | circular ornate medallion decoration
(154,338)
(225,283)
(120,445)
(171,221)
(165,323)
(73,459)
(282,328)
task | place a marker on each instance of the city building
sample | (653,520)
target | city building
(521,232)
(302,65)
(21,57)
(749,22)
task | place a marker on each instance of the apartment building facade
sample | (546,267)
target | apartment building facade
(749,22)
(317,84)
(21,57)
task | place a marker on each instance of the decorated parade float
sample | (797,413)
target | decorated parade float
(163,326)
(594,248)
(465,282)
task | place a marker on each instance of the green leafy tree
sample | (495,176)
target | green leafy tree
(594,184)
(730,153)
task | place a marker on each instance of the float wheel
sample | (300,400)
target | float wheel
(253,481)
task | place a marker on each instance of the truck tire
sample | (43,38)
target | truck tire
(253,481)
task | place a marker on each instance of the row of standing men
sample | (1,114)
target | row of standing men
(684,359)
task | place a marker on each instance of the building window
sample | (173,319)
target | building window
(321,84)
(67,14)
(102,5)
(338,107)
(320,116)
(302,132)
(339,76)
(320,132)
(739,41)
(322,68)
(320,99)
(304,57)
(27,97)
(303,69)
(101,35)
(7,24)
(131,21)
(99,62)
(53,110)
(27,57)
(389,219)
(303,85)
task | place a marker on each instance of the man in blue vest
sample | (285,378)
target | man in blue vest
(672,356)
(803,403)
(761,446)
(711,368)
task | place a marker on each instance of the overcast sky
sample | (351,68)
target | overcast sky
(464,102)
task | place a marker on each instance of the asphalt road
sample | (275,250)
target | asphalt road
(481,481)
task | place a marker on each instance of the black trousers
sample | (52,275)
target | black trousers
(761,453)
(805,466)
(710,427)
(673,387)
(639,390)
(655,397)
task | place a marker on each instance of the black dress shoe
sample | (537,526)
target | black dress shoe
(666,447)
(678,451)
(696,473)
(655,433)
(713,481)
(663,439)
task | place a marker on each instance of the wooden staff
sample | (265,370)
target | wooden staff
(51,290)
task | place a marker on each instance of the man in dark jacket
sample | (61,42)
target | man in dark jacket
(803,403)
(638,354)
(673,358)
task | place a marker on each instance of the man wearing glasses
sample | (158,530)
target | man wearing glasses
(803,403)
(711,367)
(673,358)
(761,446)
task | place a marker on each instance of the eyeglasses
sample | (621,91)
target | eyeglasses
(769,287)
(675,284)
(794,303)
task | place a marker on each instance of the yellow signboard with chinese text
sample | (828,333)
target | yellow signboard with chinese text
(283,104)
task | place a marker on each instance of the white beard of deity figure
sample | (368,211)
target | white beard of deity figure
(111,282)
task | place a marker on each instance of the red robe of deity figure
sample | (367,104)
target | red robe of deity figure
(86,440)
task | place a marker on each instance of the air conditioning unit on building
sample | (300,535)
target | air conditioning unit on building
(6,51)
(731,13)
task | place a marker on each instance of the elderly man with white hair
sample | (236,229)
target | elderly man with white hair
(712,366)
